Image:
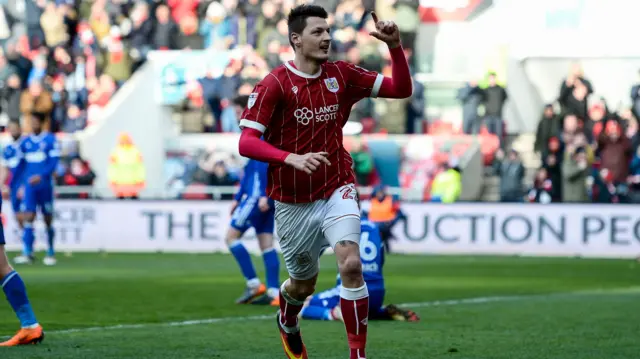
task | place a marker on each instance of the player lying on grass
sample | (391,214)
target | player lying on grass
(252,208)
(326,305)
(301,108)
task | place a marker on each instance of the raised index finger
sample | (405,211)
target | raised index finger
(375,17)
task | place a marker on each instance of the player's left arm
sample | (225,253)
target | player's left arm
(243,183)
(265,202)
(53,156)
(4,175)
(364,83)
(400,84)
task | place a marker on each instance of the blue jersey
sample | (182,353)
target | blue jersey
(254,181)
(371,255)
(12,158)
(252,187)
(41,154)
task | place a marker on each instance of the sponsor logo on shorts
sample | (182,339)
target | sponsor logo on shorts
(303,259)
(349,193)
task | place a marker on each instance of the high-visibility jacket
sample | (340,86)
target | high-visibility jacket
(447,186)
(126,171)
(382,211)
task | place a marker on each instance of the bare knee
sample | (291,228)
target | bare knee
(349,264)
(28,217)
(232,236)
(301,289)
(265,240)
(351,267)
(5,267)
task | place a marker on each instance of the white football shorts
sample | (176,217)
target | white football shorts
(303,229)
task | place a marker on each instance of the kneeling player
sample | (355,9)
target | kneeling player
(326,305)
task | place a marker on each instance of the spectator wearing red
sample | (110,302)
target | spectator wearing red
(552,161)
(615,151)
(182,8)
(77,174)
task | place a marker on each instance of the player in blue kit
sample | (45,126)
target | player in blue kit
(11,160)
(12,285)
(41,153)
(252,208)
(325,305)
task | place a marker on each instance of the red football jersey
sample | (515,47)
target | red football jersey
(302,113)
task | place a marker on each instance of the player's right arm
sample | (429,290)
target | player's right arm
(266,98)
(4,174)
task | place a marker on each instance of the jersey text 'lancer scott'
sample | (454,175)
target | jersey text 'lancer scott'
(302,113)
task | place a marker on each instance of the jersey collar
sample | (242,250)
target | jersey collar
(302,74)
(38,137)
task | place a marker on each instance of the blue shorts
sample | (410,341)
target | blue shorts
(248,215)
(37,197)
(331,298)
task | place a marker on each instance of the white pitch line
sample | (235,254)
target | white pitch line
(436,303)
(511,298)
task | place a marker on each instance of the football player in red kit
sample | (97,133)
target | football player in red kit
(300,108)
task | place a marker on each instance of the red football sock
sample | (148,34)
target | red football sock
(354,303)
(289,309)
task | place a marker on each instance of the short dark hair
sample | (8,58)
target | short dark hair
(40,116)
(297,20)
(241,100)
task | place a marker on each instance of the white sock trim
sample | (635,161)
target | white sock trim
(253,283)
(8,278)
(354,293)
(273,292)
(235,243)
(287,297)
(267,250)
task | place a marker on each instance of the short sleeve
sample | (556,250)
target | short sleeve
(54,150)
(360,82)
(262,102)
(4,161)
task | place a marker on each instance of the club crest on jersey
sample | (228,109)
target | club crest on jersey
(295,89)
(252,99)
(332,84)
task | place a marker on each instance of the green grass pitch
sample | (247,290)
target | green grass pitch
(530,308)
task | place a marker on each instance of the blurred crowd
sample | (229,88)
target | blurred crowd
(589,151)
(188,174)
(67,58)
(482,106)
(257,31)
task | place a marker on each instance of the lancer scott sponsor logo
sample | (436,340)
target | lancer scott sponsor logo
(304,115)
